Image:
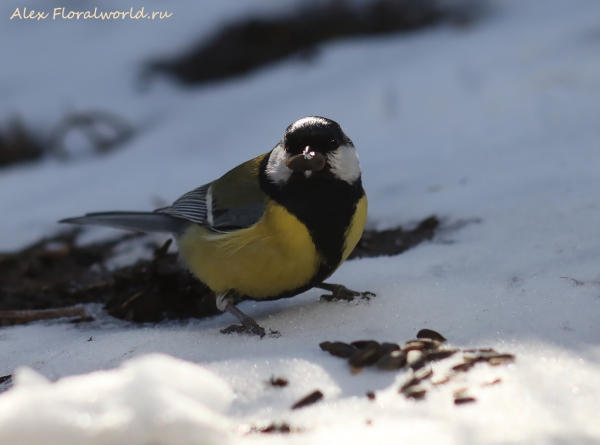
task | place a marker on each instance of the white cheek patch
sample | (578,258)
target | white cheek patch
(276,170)
(344,163)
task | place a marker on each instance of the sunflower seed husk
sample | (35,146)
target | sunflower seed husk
(435,381)
(480,350)
(277,381)
(416,392)
(440,354)
(413,356)
(313,397)
(432,356)
(419,345)
(371,395)
(501,359)
(423,373)
(338,349)
(413,345)
(419,363)
(479,354)
(410,382)
(389,347)
(365,356)
(392,361)
(464,400)
(431,334)
(360,344)
(463,367)
(491,383)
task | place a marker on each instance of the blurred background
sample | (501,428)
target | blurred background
(447,101)
(130,112)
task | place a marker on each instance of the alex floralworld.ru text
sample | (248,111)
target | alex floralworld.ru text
(61,13)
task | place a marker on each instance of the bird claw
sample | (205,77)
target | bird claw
(253,329)
(340,292)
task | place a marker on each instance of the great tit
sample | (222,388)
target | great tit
(272,227)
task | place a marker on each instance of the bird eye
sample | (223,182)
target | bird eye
(333,143)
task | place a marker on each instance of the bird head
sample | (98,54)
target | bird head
(313,147)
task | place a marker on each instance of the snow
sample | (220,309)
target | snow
(493,127)
(155,398)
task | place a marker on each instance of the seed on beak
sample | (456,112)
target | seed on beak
(308,160)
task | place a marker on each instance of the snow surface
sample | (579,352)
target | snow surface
(152,399)
(493,127)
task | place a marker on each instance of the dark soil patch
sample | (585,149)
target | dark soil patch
(18,144)
(103,131)
(245,45)
(56,273)
(375,243)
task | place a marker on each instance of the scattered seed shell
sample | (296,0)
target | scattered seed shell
(413,356)
(501,359)
(431,334)
(361,344)
(413,345)
(479,353)
(435,381)
(419,363)
(423,373)
(463,367)
(441,354)
(491,383)
(278,382)
(276,428)
(365,356)
(416,392)
(392,361)
(416,379)
(389,347)
(464,400)
(371,395)
(411,382)
(338,349)
(313,397)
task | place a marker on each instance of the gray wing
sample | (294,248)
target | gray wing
(200,206)
(191,206)
(233,201)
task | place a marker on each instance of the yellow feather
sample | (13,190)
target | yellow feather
(274,256)
(356,228)
(271,257)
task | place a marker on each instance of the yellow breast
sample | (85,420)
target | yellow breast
(356,228)
(271,257)
(274,256)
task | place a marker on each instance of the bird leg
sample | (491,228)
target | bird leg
(249,325)
(339,292)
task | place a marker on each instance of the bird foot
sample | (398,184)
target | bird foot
(339,292)
(248,328)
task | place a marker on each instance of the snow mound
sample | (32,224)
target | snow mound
(151,399)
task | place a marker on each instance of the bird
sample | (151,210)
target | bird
(272,227)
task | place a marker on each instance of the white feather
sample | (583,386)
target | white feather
(222,301)
(276,169)
(344,163)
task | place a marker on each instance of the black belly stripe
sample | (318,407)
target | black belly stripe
(325,204)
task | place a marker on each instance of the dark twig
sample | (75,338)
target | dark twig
(22,317)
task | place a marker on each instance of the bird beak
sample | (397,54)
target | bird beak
(308,160)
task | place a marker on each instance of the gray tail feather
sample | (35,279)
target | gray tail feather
(136,221)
